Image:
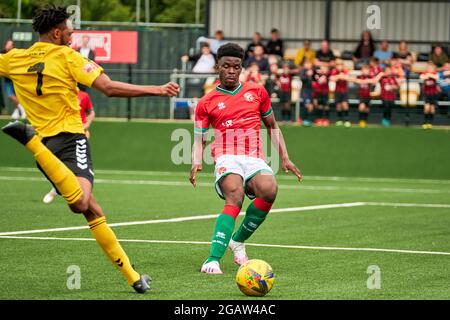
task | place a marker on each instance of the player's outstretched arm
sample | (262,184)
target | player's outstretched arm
(197,156)
(112,88)
(276,136)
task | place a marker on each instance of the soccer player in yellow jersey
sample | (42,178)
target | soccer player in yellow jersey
(45,78)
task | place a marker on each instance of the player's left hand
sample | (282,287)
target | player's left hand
(287,165)
(170,89)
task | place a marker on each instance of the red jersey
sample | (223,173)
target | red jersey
(430,87)
(285,82)
(341,85)
(236,119)
(364,88)
(320,84)
(374,70)
(85,103)
(388,92)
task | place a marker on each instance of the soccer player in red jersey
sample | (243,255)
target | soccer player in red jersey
(235,111)
(86,108)
(87,112)
(430,90)
(341,94)
(320,87)
(364,96)
(389,86)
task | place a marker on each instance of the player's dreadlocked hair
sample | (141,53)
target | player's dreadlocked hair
(48,17)
(230,50)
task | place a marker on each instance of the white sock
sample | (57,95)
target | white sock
(15,115)
(22,111)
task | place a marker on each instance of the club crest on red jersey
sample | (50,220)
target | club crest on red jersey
(222,170)
(248,96)
(221,105)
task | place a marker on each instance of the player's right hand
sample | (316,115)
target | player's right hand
(193,177)
(170,89)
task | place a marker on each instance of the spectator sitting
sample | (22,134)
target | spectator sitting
(438,56)
(258,57)
(256,41)
(405,57)
(272,83)
(324,56)
(215,43)
(305,54)
(307,78)
(284,88)
(365,48)
(275,44)
(444,80)
(252,74)
(204,62)
(383,54)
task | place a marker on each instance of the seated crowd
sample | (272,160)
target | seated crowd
(324,76)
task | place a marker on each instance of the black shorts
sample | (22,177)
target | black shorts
(340,97)
(366,101)
(285,96)
(431,99)
(388,104)
(74,151)
(322,99)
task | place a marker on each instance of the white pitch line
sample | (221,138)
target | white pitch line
(280,176)
(417,205)
(213,216)
(207,184)
(190,218)
(248,244)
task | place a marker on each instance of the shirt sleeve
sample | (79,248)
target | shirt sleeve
(4,69)
(202,122)
(83,70)
(265,107)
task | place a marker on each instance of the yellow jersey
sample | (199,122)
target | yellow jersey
(45,80)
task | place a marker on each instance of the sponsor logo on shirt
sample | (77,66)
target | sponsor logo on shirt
(89,67)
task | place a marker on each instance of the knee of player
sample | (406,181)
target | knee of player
(80,206)
(269,192)
(235,196)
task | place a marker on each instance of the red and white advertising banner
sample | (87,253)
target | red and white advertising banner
(109,46)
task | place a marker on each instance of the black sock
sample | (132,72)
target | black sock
(339,114)
(366,116)
(345,115)
(327,113)
(319,113)
(387,113)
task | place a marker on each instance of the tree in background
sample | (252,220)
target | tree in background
(173,11)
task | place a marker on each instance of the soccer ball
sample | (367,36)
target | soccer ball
(255,278)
